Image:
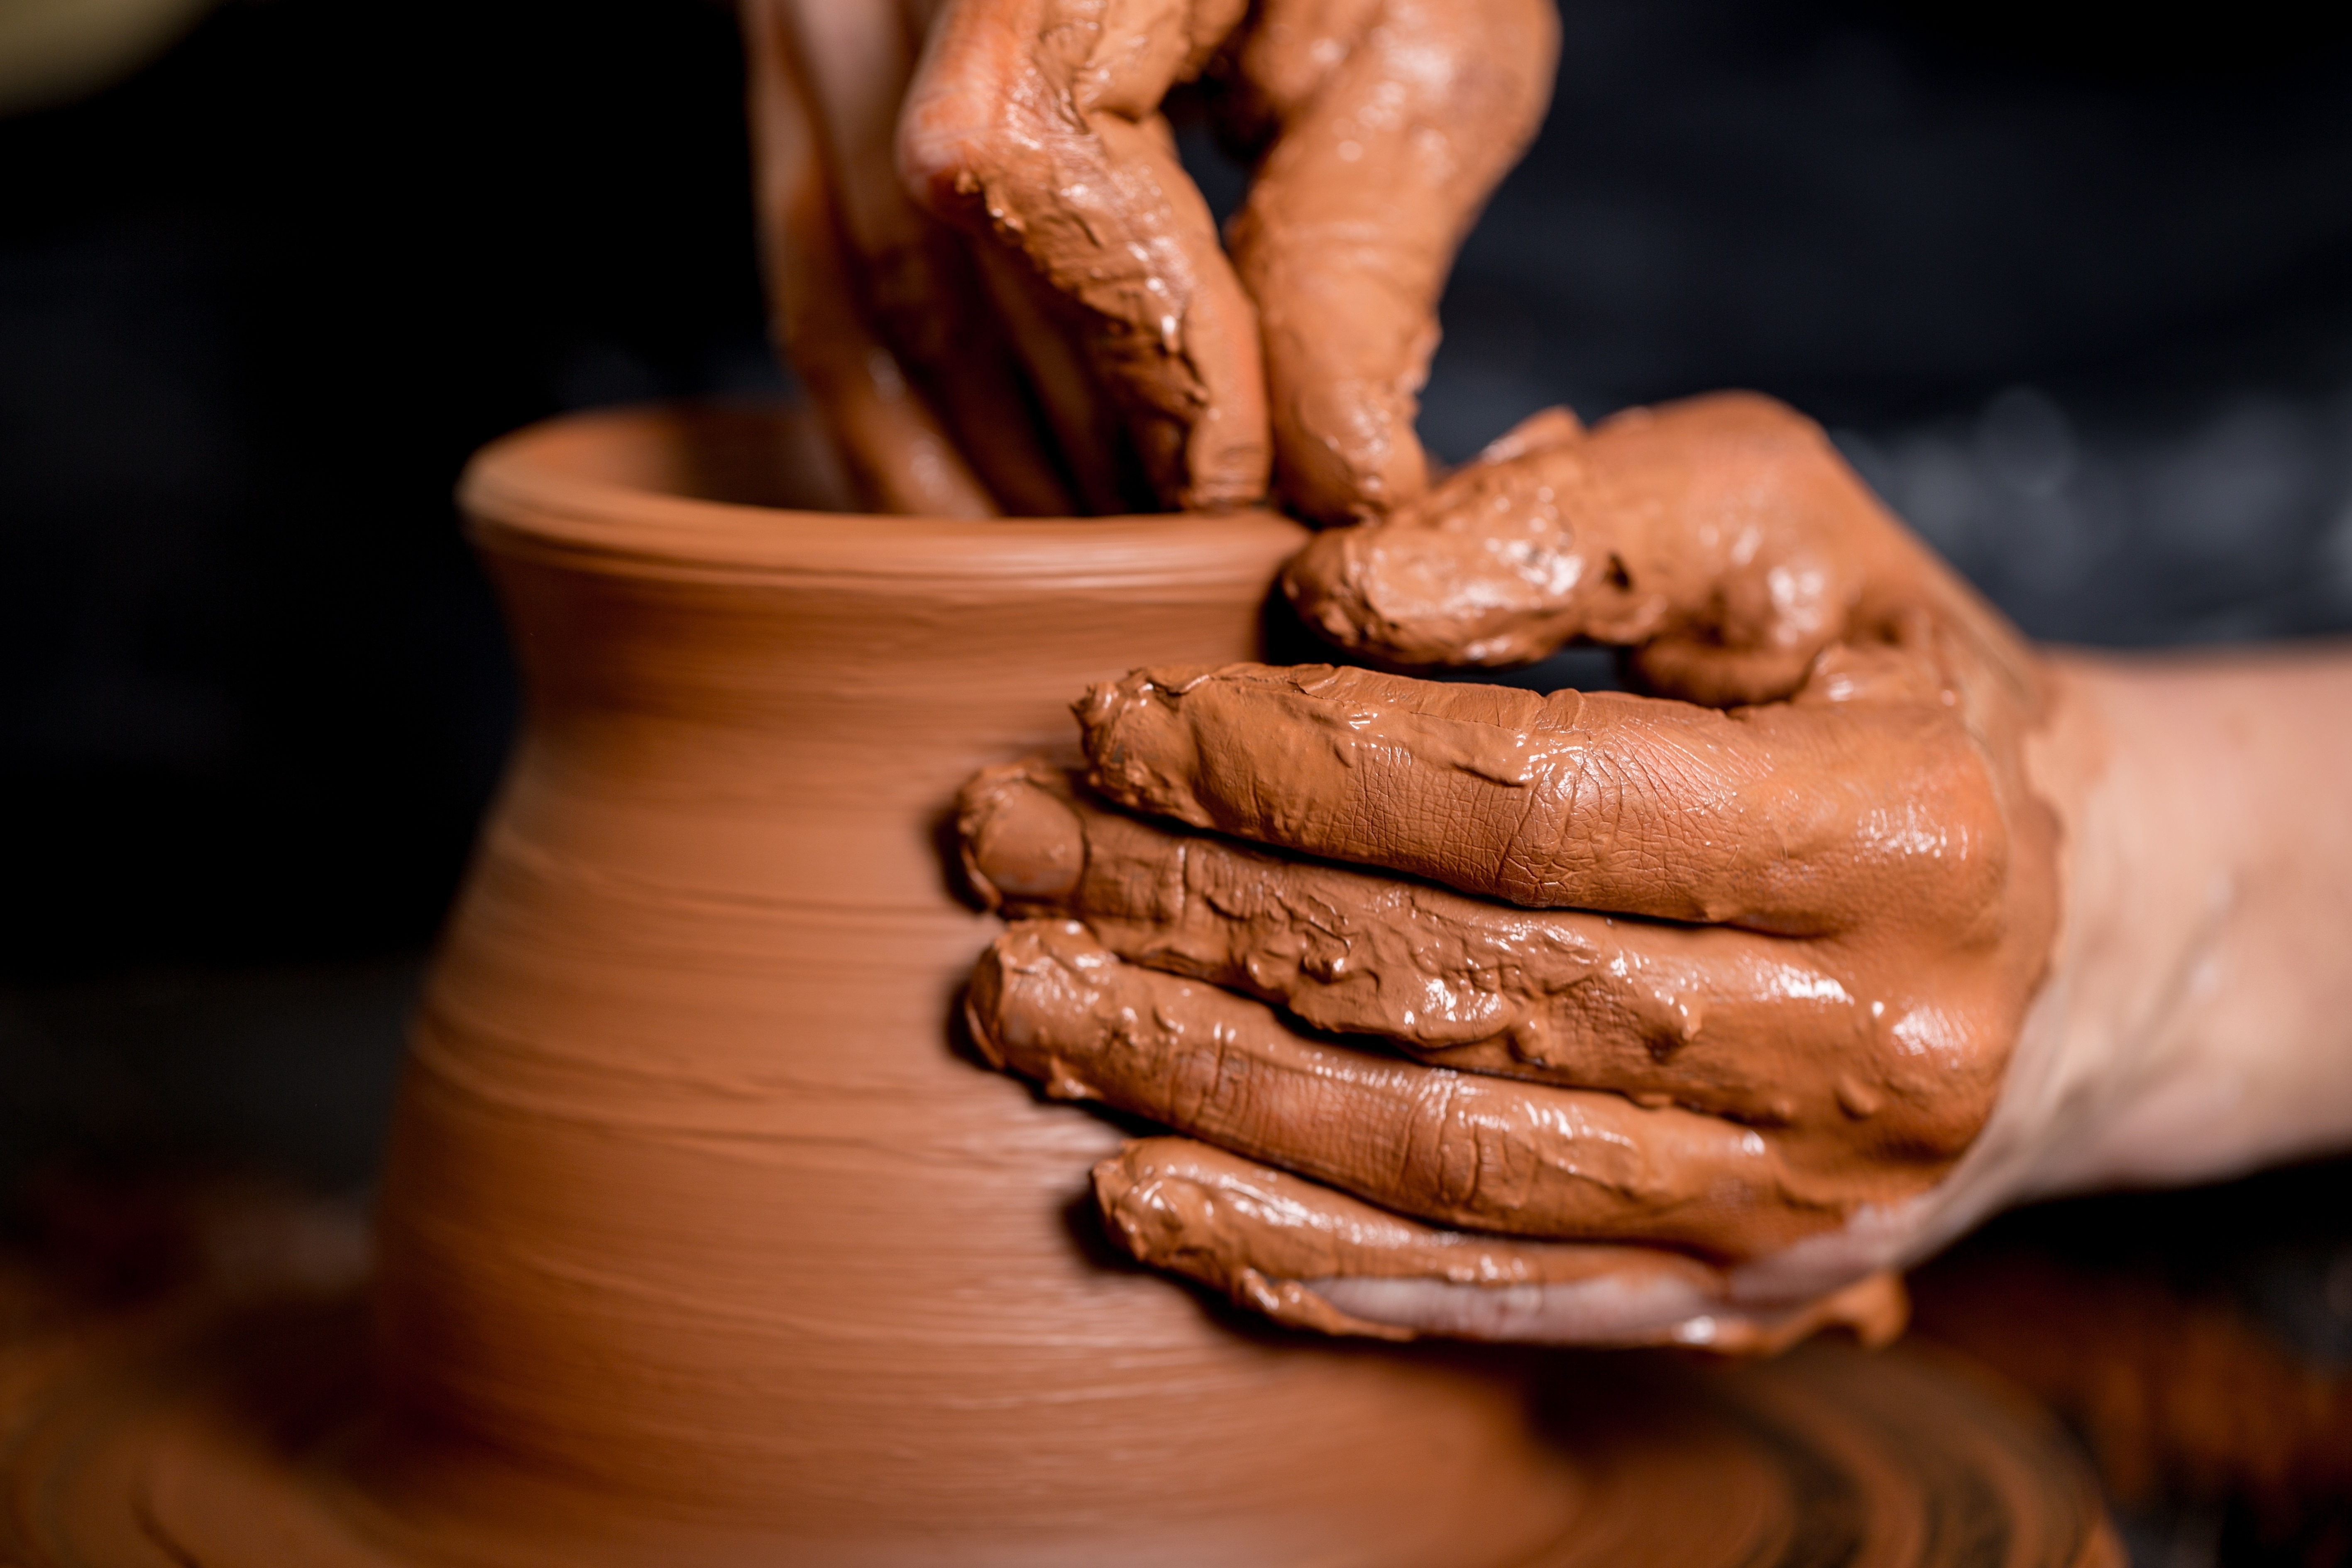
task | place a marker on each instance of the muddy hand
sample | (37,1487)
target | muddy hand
(1385,123)
(876,304)
(1740,984)
(1315,1259)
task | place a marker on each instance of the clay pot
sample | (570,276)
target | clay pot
(700,1243)
(695,1215)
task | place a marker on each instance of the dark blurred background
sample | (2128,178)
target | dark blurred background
(2071,285)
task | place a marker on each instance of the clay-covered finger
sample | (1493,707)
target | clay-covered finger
(1051,1002)
(850,65)
(1390,122)
(1792,819)
(1092,444)
(1873,1309)
(1723,538)
(899,453)
(1036,121)
(1270,1240)
(1766,1031)
(1313,1257)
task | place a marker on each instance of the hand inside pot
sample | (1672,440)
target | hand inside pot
(1592,1017)
(1045,250)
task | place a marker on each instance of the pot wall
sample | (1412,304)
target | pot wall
(692,1206)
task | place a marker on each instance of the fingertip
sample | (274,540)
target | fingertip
(984,995)
(1408,594)
(1228,457)
(1159,1196)
(1031,1005)
(1132,1205)
(1345,453)
(1020,838)
(946,135)
(1139,751)
(997,1001)
(1320,584)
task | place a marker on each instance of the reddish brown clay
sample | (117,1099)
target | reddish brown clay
(699,1243)
(688,1199)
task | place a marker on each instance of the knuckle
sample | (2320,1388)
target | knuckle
(1955,840)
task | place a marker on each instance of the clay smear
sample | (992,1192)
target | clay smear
(1036,123)
(1714,977)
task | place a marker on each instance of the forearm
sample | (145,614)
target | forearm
(2205,1013)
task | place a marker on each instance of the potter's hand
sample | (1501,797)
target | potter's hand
(875,302)
(1696,1005)
(1034,127)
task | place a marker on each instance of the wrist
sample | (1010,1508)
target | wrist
(2198,1020)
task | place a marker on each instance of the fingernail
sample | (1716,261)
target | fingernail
(1023,843)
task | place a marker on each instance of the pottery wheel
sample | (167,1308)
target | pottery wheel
(228,1435)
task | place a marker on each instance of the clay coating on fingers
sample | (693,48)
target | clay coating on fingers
(907,273)
(1051,1002)
(1795,820)
(1273,1241)
(1386,123)
(1036,123)
(1311,1258)
(1722,538)
(1764,1031)
(1893,854)
(900,455)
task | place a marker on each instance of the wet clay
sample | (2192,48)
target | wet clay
(213,1424)
(1601,967)
(688,1198)
(1732,1024)
(899,455)
(875,302)
(1037,122)
(699,1240)
(1288,1248)
(694,1224)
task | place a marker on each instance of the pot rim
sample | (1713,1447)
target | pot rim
(587,487)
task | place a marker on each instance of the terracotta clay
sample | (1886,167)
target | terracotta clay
(698,1240)
(1287,1247)
(1386,124)
(701,1242)
(689,1200)
(899,453)
(1039,119)
(1757,971)
(213,1426)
